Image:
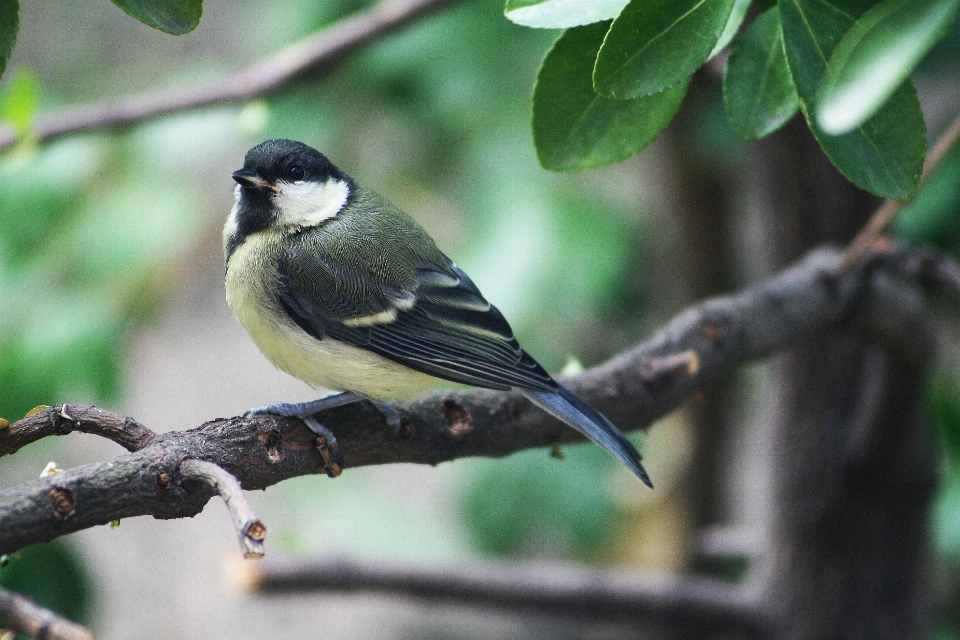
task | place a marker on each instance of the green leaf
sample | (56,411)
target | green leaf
(737,15)
(876,56)
(933,216)
(562,14)
(885,154)
(9,25)
(20,101)
(654,44)
(943,411)
(758,92)
(173,16)
(55,576)
(854,8)
(574,128)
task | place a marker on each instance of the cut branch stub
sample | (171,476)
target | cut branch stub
(249,528)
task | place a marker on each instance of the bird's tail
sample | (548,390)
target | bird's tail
(570,408)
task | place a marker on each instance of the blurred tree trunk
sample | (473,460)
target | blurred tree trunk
(701,191)
(852,474)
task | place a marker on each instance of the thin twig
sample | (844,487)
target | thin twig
(888,211)
(63,419)
(695,605)
(314,54)
(26,616)
(250,530)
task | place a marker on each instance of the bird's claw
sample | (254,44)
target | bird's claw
(327,445)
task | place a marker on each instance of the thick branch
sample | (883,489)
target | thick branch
(28,617)
(692,606)
(312,55)
(263,450)
(928,266)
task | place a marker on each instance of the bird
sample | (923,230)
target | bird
(340,288)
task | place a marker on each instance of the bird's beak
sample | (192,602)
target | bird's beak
(249,178)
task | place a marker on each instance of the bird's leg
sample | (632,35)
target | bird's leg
(301,409)
(326,442)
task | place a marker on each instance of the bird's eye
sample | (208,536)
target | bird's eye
(295,172)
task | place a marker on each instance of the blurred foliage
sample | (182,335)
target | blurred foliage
(933,217)
(20,100)
(9,24)
(77,269)
(944,411)
(943,408)
(566,509)
(53,576)
(172,16)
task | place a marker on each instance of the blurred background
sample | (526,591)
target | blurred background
(111,287)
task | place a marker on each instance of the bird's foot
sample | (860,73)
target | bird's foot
(326,442)
(327,445)
(301,409)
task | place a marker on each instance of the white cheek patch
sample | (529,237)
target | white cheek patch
(306,204)
(231,226)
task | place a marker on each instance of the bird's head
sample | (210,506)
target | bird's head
(284,183)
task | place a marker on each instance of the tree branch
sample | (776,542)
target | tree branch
(249,528)
(887,212)
(64,419)
(26,616)
(260,451)
(928,266)
(690,607)
(312,55)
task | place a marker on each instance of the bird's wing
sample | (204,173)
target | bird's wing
(436,322)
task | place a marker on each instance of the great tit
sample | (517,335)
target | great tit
(340,288)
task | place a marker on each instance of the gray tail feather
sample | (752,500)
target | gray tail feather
(565,405)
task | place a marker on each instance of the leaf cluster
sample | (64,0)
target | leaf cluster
(617,75)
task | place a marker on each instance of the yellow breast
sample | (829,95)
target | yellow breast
(326,363)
